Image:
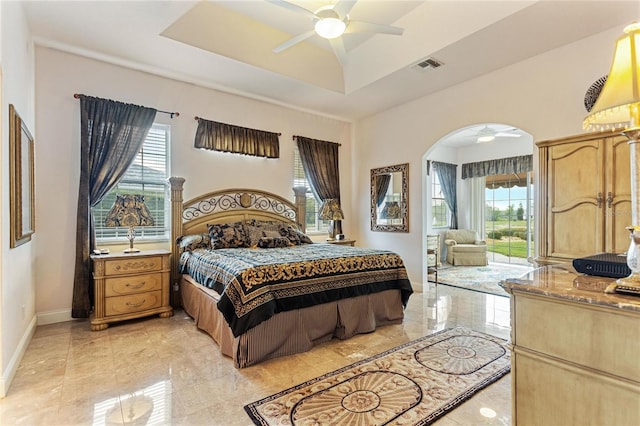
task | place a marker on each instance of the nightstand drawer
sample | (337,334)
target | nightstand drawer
(132,284)
(133,266)
(133,303)
(431,260)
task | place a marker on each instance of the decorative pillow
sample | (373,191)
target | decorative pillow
(227,235)
(192,242)
(256,229)
(296,236)
(273,242)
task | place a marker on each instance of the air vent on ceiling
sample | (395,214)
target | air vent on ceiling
(427,64)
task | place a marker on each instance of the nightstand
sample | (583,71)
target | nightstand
(351,243)
(130,286)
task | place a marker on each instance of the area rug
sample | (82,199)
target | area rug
(412,384)
(484,279)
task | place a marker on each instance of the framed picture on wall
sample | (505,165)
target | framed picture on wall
(21,180)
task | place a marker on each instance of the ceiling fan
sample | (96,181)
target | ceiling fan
(487,134)
(330,22)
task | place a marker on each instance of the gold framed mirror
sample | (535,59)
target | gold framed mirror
(390,198)
(21,180)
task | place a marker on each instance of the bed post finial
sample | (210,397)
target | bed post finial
(301,206)
(176,184)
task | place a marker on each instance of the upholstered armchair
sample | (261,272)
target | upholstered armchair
(464,248)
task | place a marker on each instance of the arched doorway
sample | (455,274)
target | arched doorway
(499,206)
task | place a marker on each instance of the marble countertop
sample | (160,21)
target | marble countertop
(563,282)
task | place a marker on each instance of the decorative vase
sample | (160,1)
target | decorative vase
(633,258)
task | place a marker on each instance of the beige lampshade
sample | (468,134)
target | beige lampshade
(618,105)
(331,210)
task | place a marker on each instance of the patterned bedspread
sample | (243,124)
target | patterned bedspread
(256,283)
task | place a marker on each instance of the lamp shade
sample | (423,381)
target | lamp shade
(331,210)
(129,210)
(391,210)
(618,105)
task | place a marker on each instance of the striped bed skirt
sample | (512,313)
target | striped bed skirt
(293,331)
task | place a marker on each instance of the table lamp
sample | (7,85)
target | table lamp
(331,210)
(618,107)
(129,210)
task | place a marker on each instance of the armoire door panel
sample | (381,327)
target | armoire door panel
(618,212)
(576,232)
(569,182)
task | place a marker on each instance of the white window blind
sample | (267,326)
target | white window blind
(439,209)
(313,224)
(147,175)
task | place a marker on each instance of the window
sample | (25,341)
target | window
(312,223)
(147,175)
(439,208)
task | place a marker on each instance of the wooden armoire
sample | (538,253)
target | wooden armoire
(584,196)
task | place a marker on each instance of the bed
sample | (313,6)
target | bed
(277,293)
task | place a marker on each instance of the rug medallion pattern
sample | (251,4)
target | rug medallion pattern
(412,384)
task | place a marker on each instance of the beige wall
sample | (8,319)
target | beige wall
(17,278)
(542,95)
(59,75)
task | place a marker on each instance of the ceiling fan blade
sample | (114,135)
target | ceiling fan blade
(368,27)
(339,50)
(293,41)
(507,135)
(343,7)
(293,7)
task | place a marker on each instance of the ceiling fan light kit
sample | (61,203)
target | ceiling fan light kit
(331,22)
(486,135)
(482,139)
(328,23)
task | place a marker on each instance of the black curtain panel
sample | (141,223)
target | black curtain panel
(382,185)
(111,134)
(320,162)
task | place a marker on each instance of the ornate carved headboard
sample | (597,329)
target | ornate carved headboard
(228,205)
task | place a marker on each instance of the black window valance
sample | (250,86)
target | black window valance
(224,137)
(501,166)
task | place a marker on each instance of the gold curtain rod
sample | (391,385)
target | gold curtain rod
(198,118)
(296,136)
(177,114)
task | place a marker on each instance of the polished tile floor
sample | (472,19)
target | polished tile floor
(164,371)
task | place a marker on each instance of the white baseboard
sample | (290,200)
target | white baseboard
(52,317)
(14,363)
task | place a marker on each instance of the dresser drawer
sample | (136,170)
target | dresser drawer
(133,303)
(602,339)
(121,286)
(133,266)
(431,260)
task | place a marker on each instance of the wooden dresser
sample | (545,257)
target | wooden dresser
(574,350)
(130,286)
